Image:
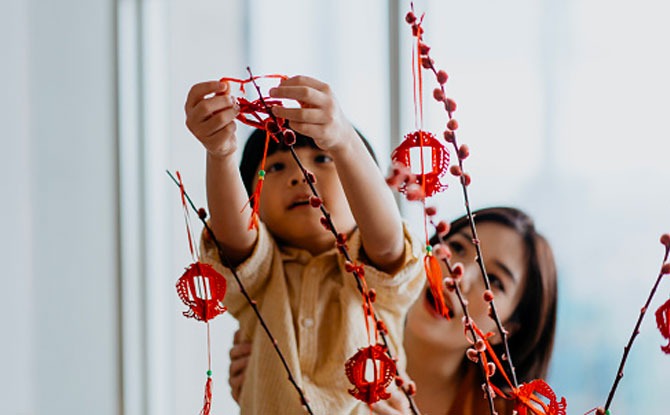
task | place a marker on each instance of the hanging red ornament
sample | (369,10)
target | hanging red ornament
(202,289)
(537,398)
(370,382)
(439,161)
(663,323)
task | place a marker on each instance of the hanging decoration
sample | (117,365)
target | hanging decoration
(371,371)
(256,113)
(202,289)
(663,323)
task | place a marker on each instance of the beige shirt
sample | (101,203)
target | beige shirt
(314,310)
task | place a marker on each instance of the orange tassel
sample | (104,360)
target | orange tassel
(206,409)
(255,198)
(434,275)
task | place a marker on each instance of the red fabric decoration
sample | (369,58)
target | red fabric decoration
(529,399)
(429,181)
(663,323)
(434,276)
(384,369)
(202,289)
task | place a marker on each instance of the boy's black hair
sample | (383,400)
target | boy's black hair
(253,153)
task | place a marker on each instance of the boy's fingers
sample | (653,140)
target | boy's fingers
(301,80)
(200,90)
(237,367)
(300,115)
(303,94)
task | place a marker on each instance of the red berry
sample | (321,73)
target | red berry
(410,17)
(441,252)
(488,296)
(315,201)
(665,269)
(442,228)
(449,136)
(431,210)
(466,180)
(665,240)
(271,126)
(452,124)
(311,178)
(372,295)
(341,238)
(202,213)
(463,151)
(423,48)
(398,381)
(457,270)
(490,369)
(438,94)
(427,62)
(442,77)
(455,170)
(472,355)
(451,105)
(289,137)
(480,346)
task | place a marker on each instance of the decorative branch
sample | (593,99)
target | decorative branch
(665,269)
(463,152)
(288,138)
(202,214)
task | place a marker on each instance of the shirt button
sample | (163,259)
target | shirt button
(307,322)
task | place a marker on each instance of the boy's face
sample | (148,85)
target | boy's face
(285,207)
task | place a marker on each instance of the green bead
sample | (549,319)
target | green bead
(429,248)
(209,373)
(261,173)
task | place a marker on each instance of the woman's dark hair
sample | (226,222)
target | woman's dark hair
(534,320)
(253,153)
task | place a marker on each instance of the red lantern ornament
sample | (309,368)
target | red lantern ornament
(439,161)
(663,323)
(202,289)
(532,397)
(371,371)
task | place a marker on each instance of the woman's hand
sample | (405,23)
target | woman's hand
(239,359)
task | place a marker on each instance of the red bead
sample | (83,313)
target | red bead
(452,124)
(442,77)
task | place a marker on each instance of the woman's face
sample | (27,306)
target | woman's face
(505,260)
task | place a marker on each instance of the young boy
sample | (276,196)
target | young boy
(289,264)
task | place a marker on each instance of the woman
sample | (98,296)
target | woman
(521,268)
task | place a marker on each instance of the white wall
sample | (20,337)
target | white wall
(59,353)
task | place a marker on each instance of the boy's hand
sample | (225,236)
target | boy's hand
(319,115)
(210,116)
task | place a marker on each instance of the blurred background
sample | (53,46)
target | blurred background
(563,104)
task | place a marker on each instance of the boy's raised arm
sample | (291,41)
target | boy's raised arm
(210,116)
(370,199)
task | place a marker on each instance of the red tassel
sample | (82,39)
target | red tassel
(207,407)
(663,323)
(255,198)
(434,275)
